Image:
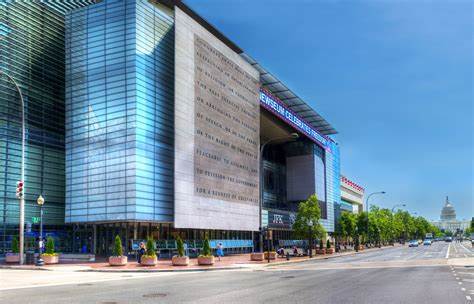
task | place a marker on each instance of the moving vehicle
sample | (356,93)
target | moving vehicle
(413,243)
(427,242)
(448,239)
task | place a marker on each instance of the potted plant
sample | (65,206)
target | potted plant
(14,256)
(180,259)
(329,250)
(256,256)
(149,258)
(118,259)
(50,257)
(206,258)
(272,255)
(321,249)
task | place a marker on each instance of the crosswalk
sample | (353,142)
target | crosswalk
(465,278)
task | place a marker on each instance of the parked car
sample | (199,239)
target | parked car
(427,242)
(413,243)
(448,239)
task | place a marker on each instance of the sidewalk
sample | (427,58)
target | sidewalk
(238,261)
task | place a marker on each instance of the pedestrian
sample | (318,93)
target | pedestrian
(220,251)
(141,251)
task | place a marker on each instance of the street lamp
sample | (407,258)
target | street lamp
(292,136)
(22,198)
(310,225)
(398,205)
(367,206)
(39,261)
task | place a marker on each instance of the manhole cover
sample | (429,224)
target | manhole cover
(288,277)
(154,295)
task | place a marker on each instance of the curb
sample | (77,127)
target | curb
(160,270)
(330,256)
(25,267)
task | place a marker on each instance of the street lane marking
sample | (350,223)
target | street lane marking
(466,273)
(468,280)
(468,298)
(463,289)
(447,252)
(456,277)
(460,283)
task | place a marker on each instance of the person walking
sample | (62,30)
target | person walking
(141,251)
(220,251)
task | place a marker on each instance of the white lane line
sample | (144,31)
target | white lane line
(468,280)
(463,289)
(470,273)
(460,283)
(468,298)
(447,252)
(456,277)
(462,245)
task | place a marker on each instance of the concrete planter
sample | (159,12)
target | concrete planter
(50,259)
(180,261)
(256,256)
(329,250)
(148,261)
(272,255)
(361,247)
(12,258)
(118,260)
(206,260)
(321,251)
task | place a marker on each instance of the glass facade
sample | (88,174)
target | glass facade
(119,112)
(32,52)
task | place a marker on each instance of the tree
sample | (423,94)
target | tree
(309,212)
(180,246)
(118,251)
(150,247)
(348,225)
(328,244)
(206,248)
(362,223)
(50,246)
(15,248)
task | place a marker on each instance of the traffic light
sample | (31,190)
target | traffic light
(19,189)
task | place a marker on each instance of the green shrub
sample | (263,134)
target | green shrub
(118,251)
(50,246)
(180,246)
(206,248)
(150,247)
(15,248)
(321,245)
(328,244)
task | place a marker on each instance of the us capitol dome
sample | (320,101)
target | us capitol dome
(448,221)
(448,213)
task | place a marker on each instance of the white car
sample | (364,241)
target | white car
(427,242)
(413,243)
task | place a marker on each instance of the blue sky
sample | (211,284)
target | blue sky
(395,78)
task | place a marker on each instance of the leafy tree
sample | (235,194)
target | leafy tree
(348,225)
(50,246)
(328,244)
(321,245)
(150,247)
(206,248)
(118,251)
(308,211)
(362,219)
(15,248)
(180,245)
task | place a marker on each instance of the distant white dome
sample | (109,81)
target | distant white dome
(448,213)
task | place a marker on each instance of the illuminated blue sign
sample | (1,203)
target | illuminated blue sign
(279,109)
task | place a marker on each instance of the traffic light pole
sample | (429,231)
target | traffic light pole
(22,198)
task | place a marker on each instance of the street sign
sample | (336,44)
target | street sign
(35,219)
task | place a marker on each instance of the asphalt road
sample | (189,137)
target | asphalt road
(394,275)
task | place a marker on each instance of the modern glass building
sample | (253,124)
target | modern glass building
(32,52)
(111,89)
